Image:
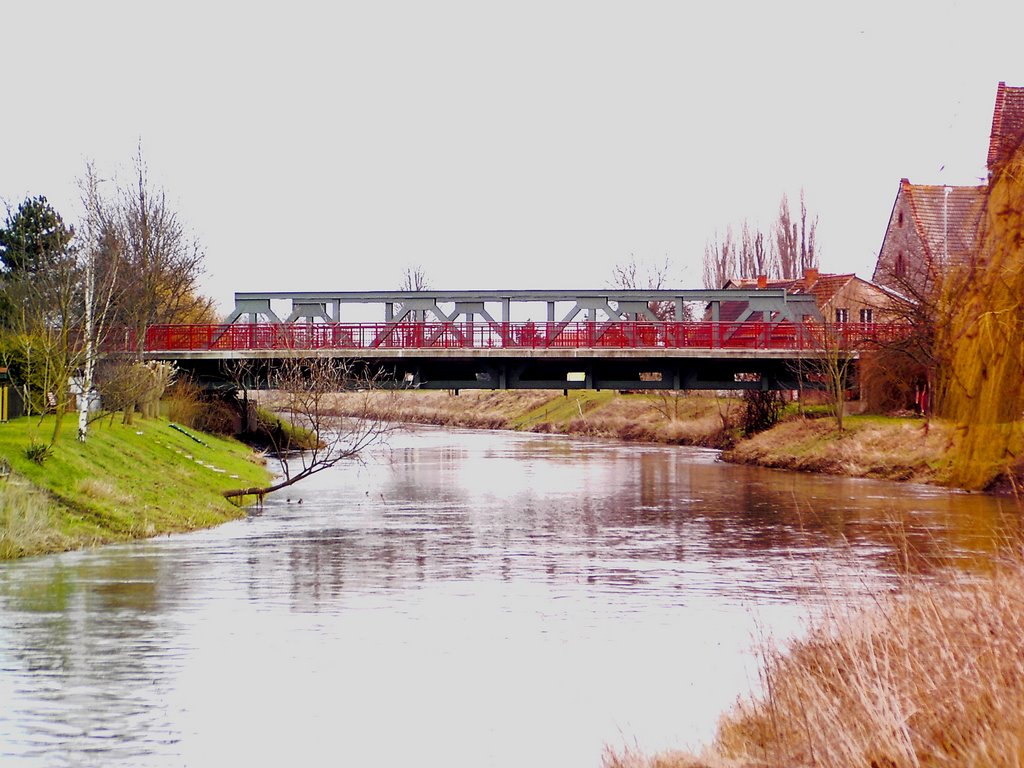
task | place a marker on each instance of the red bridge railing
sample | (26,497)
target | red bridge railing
(485,335)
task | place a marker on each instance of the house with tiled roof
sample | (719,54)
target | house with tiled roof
(930,228)
(933,227)
(1007,126)
(843,298)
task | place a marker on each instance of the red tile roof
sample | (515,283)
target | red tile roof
(1007,125)
(823,285)
(948,219)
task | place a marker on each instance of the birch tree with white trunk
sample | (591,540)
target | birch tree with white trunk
(100,254)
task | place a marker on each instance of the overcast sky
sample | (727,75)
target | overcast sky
(518,145)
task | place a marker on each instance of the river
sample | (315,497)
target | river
(460,598)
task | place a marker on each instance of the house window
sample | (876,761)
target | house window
(867,316)
(901,267)
(842,315)
(900,218)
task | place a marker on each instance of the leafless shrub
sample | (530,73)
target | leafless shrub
(890,379)
(315,437)
(126,386)
(761,410)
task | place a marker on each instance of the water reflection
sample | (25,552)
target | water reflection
(500,599)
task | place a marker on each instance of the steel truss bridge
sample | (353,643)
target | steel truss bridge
(600,339)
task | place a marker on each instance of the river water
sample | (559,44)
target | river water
(461,598)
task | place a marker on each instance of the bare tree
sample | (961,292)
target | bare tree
(834,347)
(762,409)
(746,263)
(915,361)
(631,276)
(162,262)
(101,253)
(795,242)
(765,260)
(786,238)
(808,237)
(308,436)
(414,278)
(126,385)
(720,260)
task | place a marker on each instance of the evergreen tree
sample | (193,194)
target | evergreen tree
(32,236)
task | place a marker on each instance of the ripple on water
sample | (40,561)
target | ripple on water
(490,596)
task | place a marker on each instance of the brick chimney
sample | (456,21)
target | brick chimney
(810,277)
(762,281)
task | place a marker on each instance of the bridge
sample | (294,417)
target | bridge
(594,339)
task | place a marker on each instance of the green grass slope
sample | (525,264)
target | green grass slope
(125,482)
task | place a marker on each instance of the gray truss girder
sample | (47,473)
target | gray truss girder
(631,309)
(775,305)
(254,308)
(310,311)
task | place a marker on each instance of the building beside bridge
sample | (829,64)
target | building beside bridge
(841,298)
(935,231)
(934,228)
(931,229)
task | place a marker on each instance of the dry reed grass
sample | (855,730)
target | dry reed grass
(183,403)
(632,758)
(868,447)
(25,522)
(474,410)
(94,488)
(932,675)
(685,420)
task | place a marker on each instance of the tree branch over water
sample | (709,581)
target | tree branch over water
(305,432)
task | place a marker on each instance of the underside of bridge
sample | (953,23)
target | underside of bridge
(550,372)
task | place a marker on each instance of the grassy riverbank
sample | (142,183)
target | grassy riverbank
(870,446)
(678,420)
(126,482)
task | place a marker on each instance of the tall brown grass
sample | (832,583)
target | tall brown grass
(891,449)
(473,409)
(184,403)
(932,675)
(26,522)
(682,420)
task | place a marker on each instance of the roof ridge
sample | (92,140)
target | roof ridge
(997,124)
(909,185)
